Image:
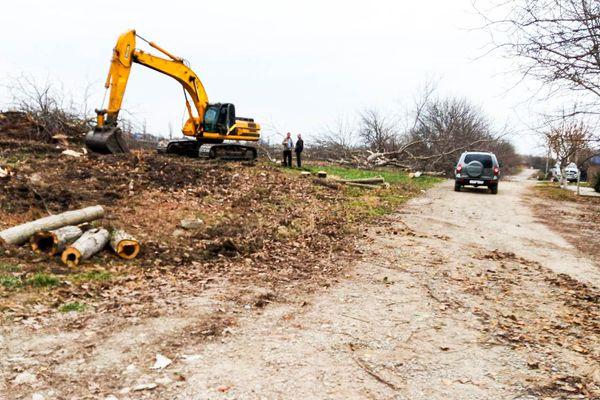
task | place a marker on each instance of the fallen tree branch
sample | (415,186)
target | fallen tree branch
(370,371)
(363,185)
(22,233)
(327,183)
(376,180)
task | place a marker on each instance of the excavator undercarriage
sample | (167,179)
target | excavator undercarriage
(220,151)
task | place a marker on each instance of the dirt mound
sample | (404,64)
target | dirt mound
(57,183)
(56,127)
(258,224)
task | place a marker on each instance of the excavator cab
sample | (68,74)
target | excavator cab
(219,118)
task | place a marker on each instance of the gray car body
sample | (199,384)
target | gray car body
(475,173)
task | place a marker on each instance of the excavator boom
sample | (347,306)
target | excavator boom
(107,136)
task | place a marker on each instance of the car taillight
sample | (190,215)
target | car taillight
(496,170)
(458,168)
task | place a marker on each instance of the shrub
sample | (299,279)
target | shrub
(596,182)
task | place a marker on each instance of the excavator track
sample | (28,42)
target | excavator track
(226,152)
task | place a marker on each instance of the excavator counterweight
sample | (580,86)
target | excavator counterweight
(208,125)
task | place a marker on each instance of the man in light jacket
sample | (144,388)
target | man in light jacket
(288,145)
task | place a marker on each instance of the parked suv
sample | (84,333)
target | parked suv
(477,169)
(572,172)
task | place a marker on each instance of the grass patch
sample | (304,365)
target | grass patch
(9,267)
(10,282)
(75,306)
(552,191)
(41,279)
(92,276)
(391,176)
(366,203)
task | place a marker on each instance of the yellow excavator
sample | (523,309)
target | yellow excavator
(207,128)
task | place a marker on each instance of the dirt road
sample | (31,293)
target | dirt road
(458,296)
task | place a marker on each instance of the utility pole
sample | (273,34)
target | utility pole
(547,162)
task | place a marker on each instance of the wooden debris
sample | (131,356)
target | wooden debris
(125,245)
(305,174)
(72,153)
(90,243)
(54,242)
(4,172)
(363,185)
(378,180)
(322,174)
(327,183)
(370,370)
(21,233)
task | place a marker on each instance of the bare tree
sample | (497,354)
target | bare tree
(567,140)
(443,129)
(378,132)
(557,40)
(339,141)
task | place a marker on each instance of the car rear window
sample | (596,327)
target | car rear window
(484,159)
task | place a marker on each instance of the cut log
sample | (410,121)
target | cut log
(322,174)
(90,243)
(327,183)
(371,181)
(22,233)
(125,245)
(364,185)
(54,242)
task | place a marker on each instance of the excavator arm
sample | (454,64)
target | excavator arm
(124,54)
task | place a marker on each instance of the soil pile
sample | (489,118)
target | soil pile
(252,223)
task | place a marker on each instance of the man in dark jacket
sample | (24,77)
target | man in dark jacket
(299,149)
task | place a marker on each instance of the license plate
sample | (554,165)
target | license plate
(476,182)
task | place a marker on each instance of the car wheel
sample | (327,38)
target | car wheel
(494,188)
(456,187)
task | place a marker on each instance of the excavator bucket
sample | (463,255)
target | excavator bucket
(106,140)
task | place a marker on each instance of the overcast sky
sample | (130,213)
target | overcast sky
(293,66)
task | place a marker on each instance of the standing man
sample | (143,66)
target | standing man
(299,149)
(288,145)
